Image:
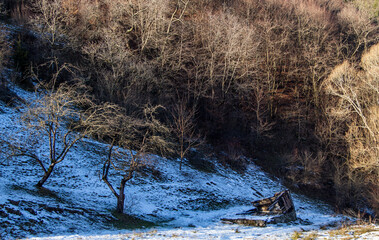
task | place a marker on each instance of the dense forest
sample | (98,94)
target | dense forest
(293,84)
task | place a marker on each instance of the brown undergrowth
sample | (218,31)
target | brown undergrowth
(292,83)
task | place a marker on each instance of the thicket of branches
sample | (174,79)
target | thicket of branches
(261,78)
(352,118)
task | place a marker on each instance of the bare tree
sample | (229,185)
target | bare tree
(49,19)
(227,52)
(354,92)
(109,60)
(358,25)
(150,21)
(255,102)
(135,139)
(64,116)
(343,84)
(184,128)
(4,49)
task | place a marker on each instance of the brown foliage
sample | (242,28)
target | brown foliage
(4,48)
(260,71)
(356,94)
(359,26)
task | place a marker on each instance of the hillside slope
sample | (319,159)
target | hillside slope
(256,78)
(76,201)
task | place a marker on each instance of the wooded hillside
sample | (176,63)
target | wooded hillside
(294,84)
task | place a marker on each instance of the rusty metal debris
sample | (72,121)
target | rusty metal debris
(276,209)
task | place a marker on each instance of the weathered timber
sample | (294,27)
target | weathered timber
(280,203)
(272,210)
(245,221)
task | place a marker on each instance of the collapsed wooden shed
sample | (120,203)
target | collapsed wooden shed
(276,209)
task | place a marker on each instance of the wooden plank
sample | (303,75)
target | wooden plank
(247,222)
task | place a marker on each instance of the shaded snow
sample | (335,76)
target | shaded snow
(185,204)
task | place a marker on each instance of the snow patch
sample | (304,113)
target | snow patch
(187,204)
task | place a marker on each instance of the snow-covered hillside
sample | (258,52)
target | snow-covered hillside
(161,202)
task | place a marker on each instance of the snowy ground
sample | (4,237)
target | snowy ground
(162,202)
(219,232)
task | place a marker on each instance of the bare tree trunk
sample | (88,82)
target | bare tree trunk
(181,152)
(180,164)
(46,175)
(121,197)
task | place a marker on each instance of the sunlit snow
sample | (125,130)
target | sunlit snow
(75,204)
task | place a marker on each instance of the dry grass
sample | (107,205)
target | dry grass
(344,232)
(295,235)
(311,236)
(304,235)
(365,229)
(351,232)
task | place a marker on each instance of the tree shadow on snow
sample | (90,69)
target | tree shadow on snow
(126,221)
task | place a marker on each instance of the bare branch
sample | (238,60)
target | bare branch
(18,151)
